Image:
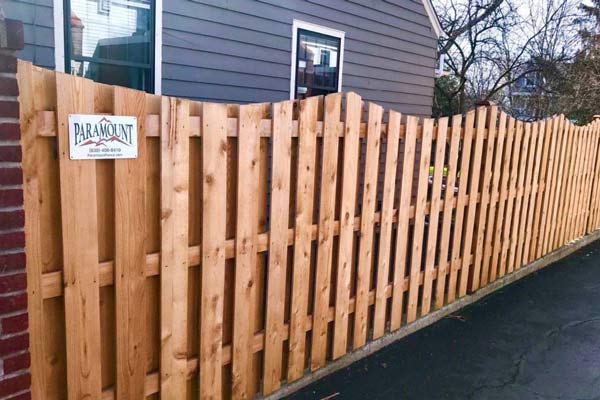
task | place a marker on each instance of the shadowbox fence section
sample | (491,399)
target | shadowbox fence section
(250,244)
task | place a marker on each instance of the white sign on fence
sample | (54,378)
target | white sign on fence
(102,136)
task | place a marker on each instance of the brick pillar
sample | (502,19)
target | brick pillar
(14,338)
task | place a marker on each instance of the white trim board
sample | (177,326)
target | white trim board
(59,35)
(59,40)
(297,24)
(435,21)
(158,25)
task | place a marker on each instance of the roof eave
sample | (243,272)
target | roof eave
(435,21)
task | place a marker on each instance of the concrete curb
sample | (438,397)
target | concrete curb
(433,317)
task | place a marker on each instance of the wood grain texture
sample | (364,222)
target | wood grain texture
(259,271)
(419,221)
(465,159)
(333,109)
(595,201)
(80,254)
(485,203)
(526,193)
(130,254)
(569,183)
(400,264)
(589,217)
(561,171)
(347,214)
(524,130)
(474,174)
(587,188)
(387,221)
(575,225)
(511,199)
(302,235)
(366,242)
(246,233)
(434,215)
(569,208)
(32,198)
(214,189)
(174,153)
(50,223)
(584,205)
(547,129)
(445,263)
(490,228)
(540,133)
(577,229)
(570,229)
(583,189)
(280,206)
(549,186)
(595,193)
(498,268)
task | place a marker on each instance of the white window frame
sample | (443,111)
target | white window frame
(296,25)
(59,41)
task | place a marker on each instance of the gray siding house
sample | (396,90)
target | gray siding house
(240,51)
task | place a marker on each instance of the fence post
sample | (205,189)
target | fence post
(15,379)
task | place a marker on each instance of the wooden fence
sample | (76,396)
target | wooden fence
(248,245)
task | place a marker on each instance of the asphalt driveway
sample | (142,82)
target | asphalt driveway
(536,339)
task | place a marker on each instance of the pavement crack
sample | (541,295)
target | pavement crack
(572,324)
(520,363)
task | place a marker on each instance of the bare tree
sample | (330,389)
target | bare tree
(491,44)
(552,33)
(472,28)
(577,84)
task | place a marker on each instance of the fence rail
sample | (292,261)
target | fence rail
(250,244)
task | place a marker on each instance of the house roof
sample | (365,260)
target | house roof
(433,17)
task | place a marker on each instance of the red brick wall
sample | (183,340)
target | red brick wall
(14,339)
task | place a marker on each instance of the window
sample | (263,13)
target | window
(317,60)
(111,41)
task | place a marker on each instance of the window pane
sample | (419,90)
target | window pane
(106,30)
(316,64)
(121,75)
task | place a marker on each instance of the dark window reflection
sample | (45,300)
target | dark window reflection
(317,64)
(111,41)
